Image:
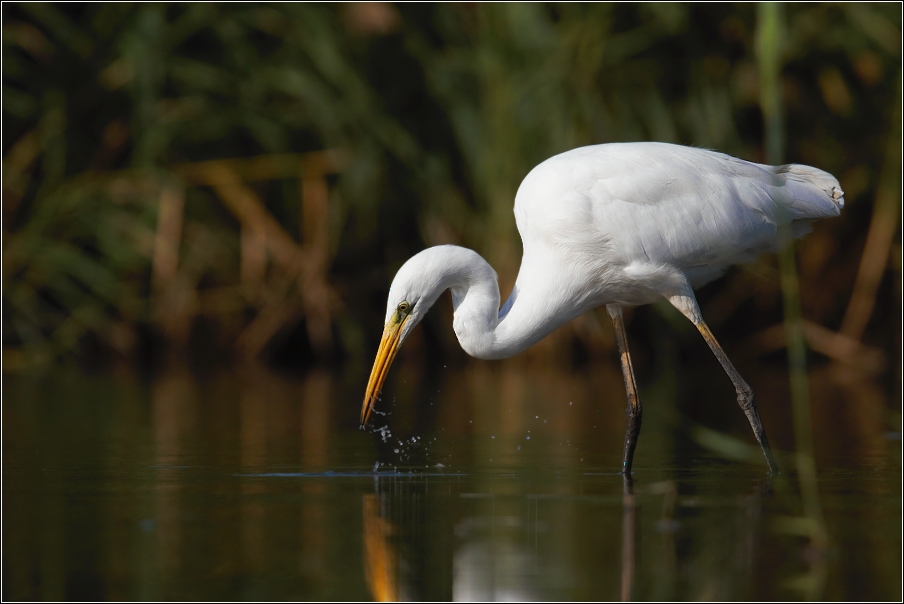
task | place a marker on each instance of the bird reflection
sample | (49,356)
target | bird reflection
(629,538)
(492,559)
(489,571)
(381,566)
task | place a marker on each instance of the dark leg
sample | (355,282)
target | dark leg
(687,304)
(634,412)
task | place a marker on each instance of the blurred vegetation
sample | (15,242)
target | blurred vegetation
(245,179)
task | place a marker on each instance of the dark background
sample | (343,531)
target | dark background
(341,139)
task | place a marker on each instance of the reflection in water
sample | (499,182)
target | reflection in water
(314,434)
(629,540)
(508,547)
(173,399)
(251,485)
(255,428)
(488,572)
(491,563)
(380,559)
(667,526)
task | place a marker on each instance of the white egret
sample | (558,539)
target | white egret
(613,225)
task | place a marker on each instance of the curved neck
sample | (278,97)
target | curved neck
(483,330)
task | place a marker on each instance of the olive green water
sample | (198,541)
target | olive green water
(498,481)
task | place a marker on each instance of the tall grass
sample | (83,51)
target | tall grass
(114,240)
(769,47)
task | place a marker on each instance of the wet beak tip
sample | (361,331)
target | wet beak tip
(385,355)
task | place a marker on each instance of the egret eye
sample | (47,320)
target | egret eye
(404,307)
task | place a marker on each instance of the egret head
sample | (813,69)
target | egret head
(415,288)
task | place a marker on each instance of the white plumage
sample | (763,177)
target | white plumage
(617,225)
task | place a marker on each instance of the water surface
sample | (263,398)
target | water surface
(493,482)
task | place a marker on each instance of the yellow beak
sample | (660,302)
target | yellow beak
(389,346)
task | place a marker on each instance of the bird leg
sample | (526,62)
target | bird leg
(633,412)
(687,304)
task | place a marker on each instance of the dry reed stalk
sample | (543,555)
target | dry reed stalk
(835,345)
(168,236)
(876,252)
(263,238)
(316,242)
(263,167)
(173,305)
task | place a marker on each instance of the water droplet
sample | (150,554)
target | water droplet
(518,447)
(527,437)
(395,450)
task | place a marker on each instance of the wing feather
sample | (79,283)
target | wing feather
(667,204)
